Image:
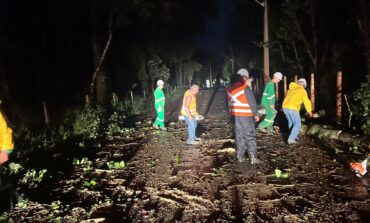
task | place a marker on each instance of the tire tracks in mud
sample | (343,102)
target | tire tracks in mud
(205,182)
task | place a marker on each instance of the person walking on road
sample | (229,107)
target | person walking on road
(268,101)
(159,104)
(243,108)
(189,111)
(296,95)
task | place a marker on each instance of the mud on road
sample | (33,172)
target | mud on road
(166,180)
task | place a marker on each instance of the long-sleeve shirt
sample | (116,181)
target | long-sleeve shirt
(297,95)
(251,100)
(6,141)
(268,97)
(159,98)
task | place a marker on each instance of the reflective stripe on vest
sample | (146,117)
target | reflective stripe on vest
(192,106)
(160,99)
(238,102)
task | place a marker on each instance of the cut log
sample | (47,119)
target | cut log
(94,220)
(320,131)
(323,132)
(329,134)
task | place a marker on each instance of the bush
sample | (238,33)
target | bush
(360,107)
(89,122)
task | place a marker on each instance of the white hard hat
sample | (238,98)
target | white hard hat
(243,72)
(303,82)
(160,82)
(278,75)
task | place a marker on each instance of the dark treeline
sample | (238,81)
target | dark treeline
(49,50)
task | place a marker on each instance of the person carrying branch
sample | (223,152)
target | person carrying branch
(296,95)
(159,104)
(243,108)
(268,101)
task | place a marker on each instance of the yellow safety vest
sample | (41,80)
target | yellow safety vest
(192,106)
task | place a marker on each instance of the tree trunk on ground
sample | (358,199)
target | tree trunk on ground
(323,133)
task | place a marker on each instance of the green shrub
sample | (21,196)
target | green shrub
(116,165)
(32,178)
(85,164)
(360,107)
(89,122)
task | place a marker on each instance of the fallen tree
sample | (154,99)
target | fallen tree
(324,132)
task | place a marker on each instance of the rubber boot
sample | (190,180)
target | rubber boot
(253,157)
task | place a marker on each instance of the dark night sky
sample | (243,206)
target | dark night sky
(217,33)
(46,46)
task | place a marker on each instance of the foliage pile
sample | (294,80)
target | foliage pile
(37,151)
(92,122)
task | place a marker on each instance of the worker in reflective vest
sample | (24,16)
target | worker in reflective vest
(268,101)
(6,140)
(159,104)
(243,108)
(189,111)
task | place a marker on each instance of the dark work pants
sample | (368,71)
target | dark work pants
(245,135)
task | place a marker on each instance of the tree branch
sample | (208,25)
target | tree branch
(304,40)
(261,3)
(297,58)
(349,109)
(101,60)
(282,52)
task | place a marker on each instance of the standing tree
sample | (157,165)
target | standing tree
(100,46)
(227,70)
(143,77)
(189,68)
(157,69)
(363,22)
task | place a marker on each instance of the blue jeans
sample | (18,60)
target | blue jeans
(294,122)
(191,128)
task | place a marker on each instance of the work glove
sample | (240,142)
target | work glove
(199,117)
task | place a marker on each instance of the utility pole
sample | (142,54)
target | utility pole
(266,61)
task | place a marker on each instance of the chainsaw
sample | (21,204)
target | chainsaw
(360,168)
